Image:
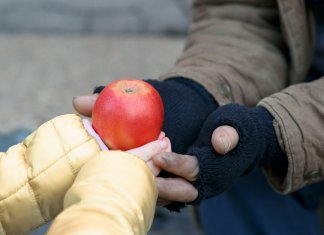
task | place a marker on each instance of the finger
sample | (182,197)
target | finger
(162,202)
(155,170)
(185,166)
(224,139)
(84,104)
(176,189)
(162,135)
(147,151)
(169,147)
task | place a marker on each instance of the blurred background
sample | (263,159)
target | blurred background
(53,50)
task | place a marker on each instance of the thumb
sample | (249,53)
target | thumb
(84,104)
(224,139)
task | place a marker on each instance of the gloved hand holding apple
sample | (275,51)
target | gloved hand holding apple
(128,113)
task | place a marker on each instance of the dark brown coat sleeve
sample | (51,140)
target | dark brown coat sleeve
(299,121)
(235,49)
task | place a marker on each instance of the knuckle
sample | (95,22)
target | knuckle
(194,173)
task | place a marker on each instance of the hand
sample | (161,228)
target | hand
(145,152)
(224,138)
(158,156)
(149,150)
(178,188)
(233,141)
(184,100)
(185,168)
(84,104)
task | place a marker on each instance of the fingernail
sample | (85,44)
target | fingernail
(225,142)
(163,144)
(86,97)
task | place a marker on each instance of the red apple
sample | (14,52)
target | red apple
(127,114)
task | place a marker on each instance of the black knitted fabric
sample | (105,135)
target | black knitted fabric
(257,146)
(187,105)
(98,89)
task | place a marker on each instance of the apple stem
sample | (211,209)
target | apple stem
(129,90)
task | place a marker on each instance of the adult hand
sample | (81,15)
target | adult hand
(224,138)
(84,104)
(233,141)
(185,168)
(184,100)
(158,156)
(178,188)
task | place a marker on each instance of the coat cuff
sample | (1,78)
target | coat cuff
(114,193)
(289,137)
(88,126)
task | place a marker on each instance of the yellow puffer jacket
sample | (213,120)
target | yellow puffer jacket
(60,167)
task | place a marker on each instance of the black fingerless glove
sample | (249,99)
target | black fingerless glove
(257,146)
(186,106)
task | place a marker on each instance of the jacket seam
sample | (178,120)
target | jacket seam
(61,158)
(66,153)
(35,198)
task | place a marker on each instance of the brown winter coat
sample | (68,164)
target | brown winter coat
(257,52)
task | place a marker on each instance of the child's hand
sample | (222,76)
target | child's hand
(147,151)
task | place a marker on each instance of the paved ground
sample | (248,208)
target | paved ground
(40,74)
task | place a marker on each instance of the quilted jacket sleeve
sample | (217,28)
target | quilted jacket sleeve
(113,194)
(35,174)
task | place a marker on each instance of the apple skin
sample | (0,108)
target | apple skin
(128,113)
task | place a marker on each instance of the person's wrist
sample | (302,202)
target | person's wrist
(274,156)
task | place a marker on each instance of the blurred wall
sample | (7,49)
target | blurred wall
(94,16)
(52,50)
